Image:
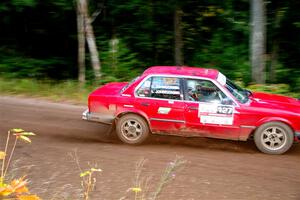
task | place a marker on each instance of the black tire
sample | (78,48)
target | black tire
(274,138)
(132,129)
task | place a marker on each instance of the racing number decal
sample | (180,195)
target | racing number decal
(216,114)
(225,109)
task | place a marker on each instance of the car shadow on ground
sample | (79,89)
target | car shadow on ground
(106,136)
(109,137)
(214,144)
(205,143)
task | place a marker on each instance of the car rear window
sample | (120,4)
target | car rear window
(144,90)
(126,86)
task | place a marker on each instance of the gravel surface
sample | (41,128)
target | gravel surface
(215,169)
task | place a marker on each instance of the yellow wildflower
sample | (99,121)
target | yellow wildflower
(17,130)
(136,189)
(24,138)
(5,191)
(2,155)
(96,170)
(28,197)
(85,173)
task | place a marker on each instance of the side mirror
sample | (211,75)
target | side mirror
(248,92)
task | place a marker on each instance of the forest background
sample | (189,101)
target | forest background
(39,41)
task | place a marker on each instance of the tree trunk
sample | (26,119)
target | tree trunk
(114,50)
(258,41)
(275,44)
(178,36)
(91,41)
(273,64)
(81,44)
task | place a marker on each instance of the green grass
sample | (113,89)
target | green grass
(69,90)
(282,89)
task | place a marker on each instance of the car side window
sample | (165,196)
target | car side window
(144,90)
(205,91)
(160,87)
(165,88)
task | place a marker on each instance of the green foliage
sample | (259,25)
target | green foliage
(14,65)
(55,90)
(283,89)
(220,54)
(39,38)
(19,4)
(119,62)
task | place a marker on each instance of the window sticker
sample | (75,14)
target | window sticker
(166,92)
(147,83)
(216,114)
(170,81)
(163,110)
(169,87)
(165,88)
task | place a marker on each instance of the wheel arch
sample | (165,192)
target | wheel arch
(275,119)
(135,112)
(272,119)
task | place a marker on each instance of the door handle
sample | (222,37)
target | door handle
(145,104)
(193,108)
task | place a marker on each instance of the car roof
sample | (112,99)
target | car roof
(182,70)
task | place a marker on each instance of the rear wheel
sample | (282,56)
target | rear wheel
(274,138)
(132,129)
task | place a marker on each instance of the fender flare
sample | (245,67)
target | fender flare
(274,119)
(125,111)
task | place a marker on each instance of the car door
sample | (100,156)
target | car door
(209,111)
(161,98)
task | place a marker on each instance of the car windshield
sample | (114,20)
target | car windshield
(128,84)
(239,93)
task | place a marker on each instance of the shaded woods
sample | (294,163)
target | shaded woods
(39,39)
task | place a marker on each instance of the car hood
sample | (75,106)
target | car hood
(275,101)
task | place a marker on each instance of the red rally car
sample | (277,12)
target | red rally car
(191,101)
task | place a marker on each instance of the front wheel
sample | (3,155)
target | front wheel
(132,129)
(274,138)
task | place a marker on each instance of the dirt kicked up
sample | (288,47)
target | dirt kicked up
(215,169)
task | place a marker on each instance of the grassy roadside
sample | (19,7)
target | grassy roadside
(69,91)
(282,89)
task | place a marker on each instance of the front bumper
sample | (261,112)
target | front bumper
(97,117)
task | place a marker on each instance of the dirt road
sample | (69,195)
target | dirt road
(215,169)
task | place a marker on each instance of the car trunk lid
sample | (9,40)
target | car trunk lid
(109,89)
